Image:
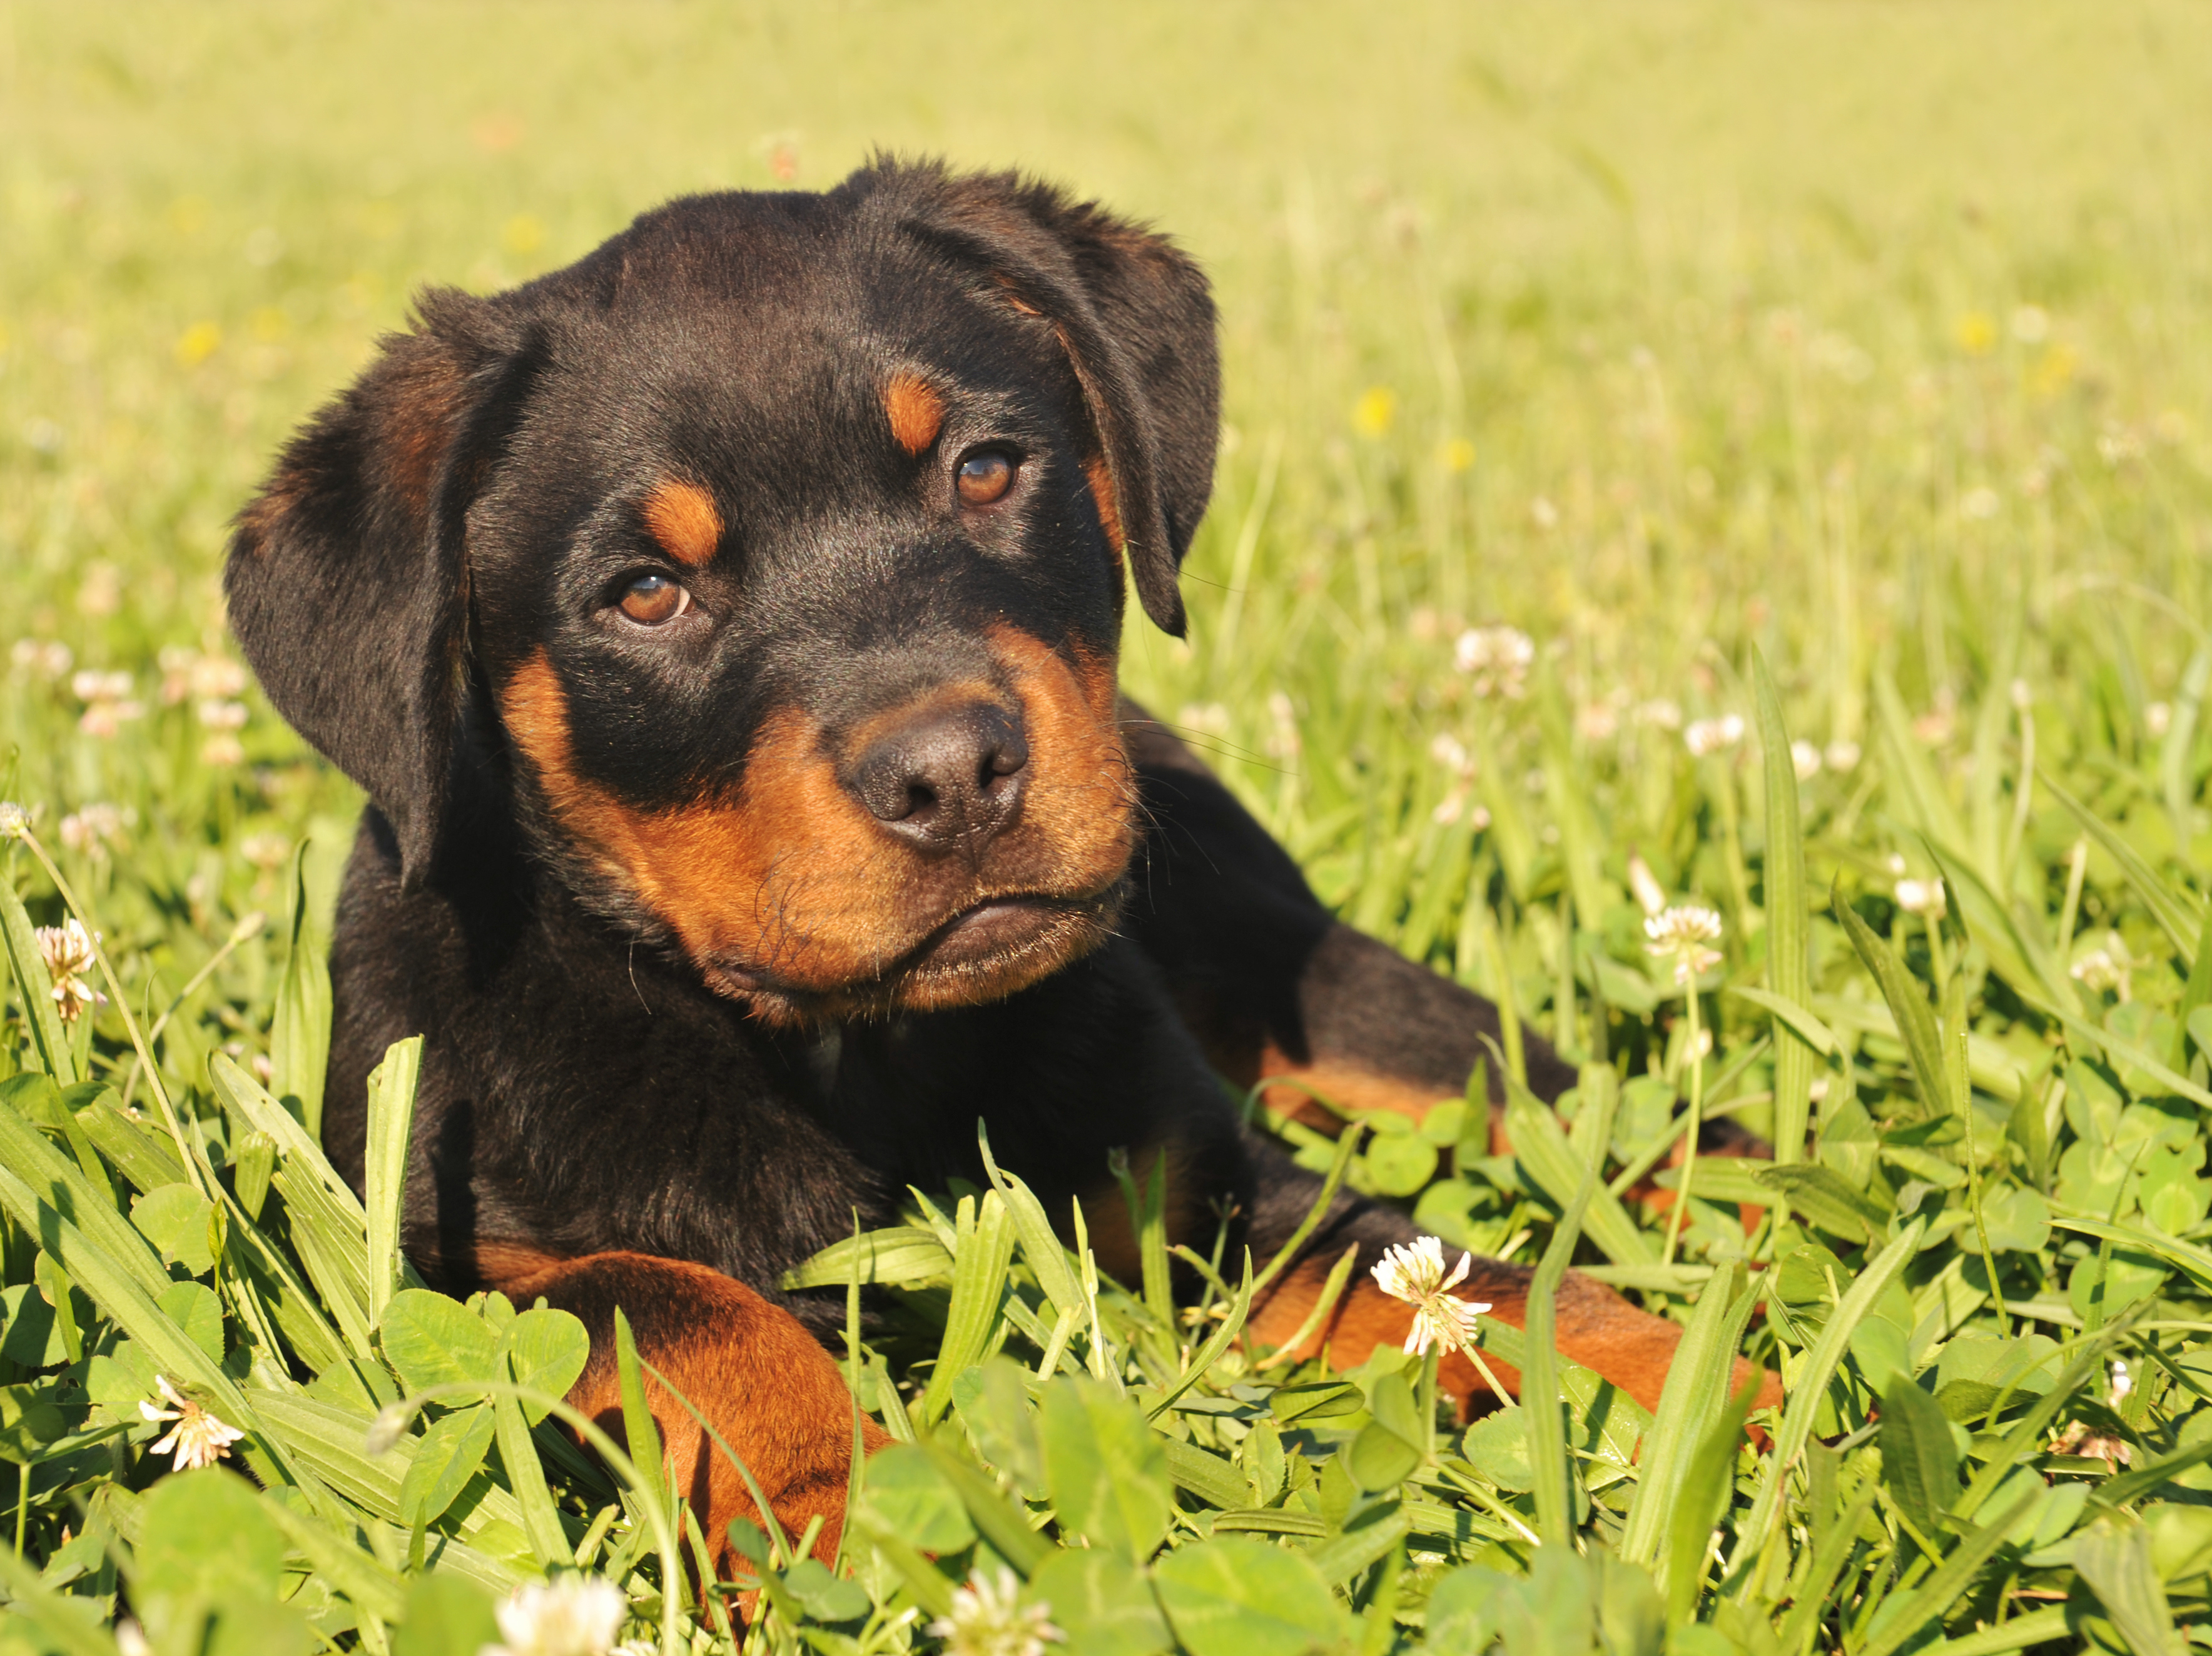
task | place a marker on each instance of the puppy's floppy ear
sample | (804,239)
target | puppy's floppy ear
(1137,320)
(347,577)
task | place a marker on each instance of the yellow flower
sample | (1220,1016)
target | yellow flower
(1414,1272)
(1371,415)
(198,343)
(523,234)
(1976,332)
(1456,454)
(197,1439)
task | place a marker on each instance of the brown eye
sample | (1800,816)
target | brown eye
(651,599)
(985,477)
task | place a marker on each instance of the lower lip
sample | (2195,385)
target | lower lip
(992,928)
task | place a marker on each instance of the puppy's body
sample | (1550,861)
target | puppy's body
(724,628)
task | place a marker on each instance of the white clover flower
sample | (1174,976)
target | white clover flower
(2117,446)
(1714,735)
(1979,503)
(2110,968)
(1285,742)
(107,702)
(217,678)
(1926,898)
(48,659)
(2122,1382)
(265,850)
(1544,513)
(93,685)
(988,1619)
(68,951)
(2158,719)
(222,715)
(1650,895)
(1414,1272)
(388,1428)
(1933,729)
(1597,721)
(94,829)
(1454,805)
(197,1439)
(1841,757)
(130,1638)
(15,821)
(1660,712)
(2031,324)
(1448,751)
(223,750)
(2022,693)
(574,1616)
(1497,658)
(1681,934)
(1805,760)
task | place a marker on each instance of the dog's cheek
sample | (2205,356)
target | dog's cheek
(1078,827)
(787,877)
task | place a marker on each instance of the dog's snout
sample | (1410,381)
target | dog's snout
(946,776)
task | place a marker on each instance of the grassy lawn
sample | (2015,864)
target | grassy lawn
(1753,457)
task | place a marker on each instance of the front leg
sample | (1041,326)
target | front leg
(1269,980)
(768,1388)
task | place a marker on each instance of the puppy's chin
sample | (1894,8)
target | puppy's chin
(985,953)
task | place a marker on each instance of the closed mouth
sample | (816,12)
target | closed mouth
(988,943)
(997,932)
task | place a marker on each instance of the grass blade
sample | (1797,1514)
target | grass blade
(1696,1390)
(1956,1574)
(299,1038)
(1542,1402)
(390,1118)
(36,986)
(1789,911)
(1047,1259)
(2175,916)
(1545,1153)
(1803,1405)
(1915,1020)
(979,1282)
(1707,1489)
(1924,796)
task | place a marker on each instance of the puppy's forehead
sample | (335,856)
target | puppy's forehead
(762,334)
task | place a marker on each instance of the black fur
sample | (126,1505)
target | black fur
(473,505)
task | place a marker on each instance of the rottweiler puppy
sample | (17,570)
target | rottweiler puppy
(724,631)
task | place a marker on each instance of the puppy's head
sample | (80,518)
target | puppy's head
(786,537)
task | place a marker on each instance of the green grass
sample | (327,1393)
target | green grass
(1868,341)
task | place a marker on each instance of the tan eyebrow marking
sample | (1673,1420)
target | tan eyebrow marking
(683,518)
(1109,515)
(916,411)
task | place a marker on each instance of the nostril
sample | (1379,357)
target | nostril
(1005,754)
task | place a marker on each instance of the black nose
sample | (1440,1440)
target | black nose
(948,776)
